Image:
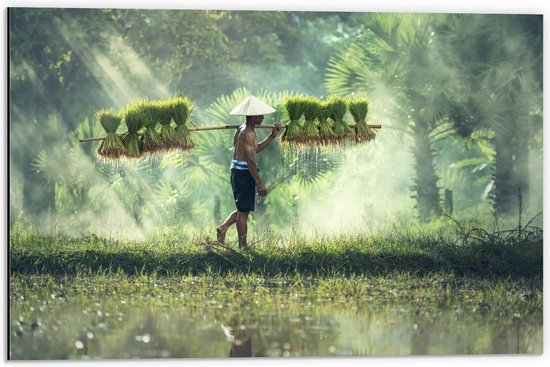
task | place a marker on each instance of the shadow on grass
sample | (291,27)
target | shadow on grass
(488,260)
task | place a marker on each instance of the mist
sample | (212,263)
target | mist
(369,189)
(60,186)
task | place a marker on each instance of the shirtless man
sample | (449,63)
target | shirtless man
(245,179)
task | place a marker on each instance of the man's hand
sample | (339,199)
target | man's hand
(275,130)
(261,188)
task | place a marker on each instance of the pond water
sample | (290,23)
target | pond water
(273,324)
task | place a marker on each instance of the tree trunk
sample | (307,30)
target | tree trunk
(425,183)
(511,173)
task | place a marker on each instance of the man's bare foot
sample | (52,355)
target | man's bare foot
(221,234)
(242,243)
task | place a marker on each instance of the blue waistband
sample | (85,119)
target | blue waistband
(240,165)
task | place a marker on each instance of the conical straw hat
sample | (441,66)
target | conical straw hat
(252,106)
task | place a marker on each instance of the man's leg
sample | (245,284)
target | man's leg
(242,228)
(222,228)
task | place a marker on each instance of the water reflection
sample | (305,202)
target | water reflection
(237,334)
(420,338)
(113,329)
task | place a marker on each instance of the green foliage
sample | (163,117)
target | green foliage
(134,115)
(111,146)
(325,128)
(169,138)
(219,110)
(308,132)
(359,108)
(311,113)
(399,52)
(347,70)
(501,88)
(337,110)
(181,110)
(176,207)
(166,112)
(409,249)
(142,117)
(312,163)
(295,107)
(151,140)
(66,167)
(133,145)
(416,63)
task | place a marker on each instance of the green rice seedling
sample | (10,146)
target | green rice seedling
(168,135)
(134,117)
(181,109)
(326,134)
(151,140)
(359,108)
(111,147)
(294,107)
(337,107)
(311,113)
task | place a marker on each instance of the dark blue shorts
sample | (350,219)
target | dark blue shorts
(244,190)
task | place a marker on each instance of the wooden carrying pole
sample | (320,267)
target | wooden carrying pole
(220,127)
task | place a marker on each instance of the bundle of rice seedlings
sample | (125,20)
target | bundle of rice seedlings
(326,134)
(151,141)
(168,135)
(111,147)
(337,107)
(294,107)
(181,110)
(311,113)
(134,117)
(359,108)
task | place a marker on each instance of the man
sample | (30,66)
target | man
(245,177)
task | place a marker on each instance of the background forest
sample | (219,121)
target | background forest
(459,98)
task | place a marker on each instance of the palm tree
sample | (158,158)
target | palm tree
(395,61)
(58,163)
(210,159)
(500,60)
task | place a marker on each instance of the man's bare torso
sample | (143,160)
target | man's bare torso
(242,137)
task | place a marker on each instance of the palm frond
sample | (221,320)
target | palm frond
(218,111)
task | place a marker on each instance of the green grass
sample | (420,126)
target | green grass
(401,287)
(116,307)
(462,282)
(417,251)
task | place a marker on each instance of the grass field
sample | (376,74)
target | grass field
(417,250)
(149,316)
(408,290)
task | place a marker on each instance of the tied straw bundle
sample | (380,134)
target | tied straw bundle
(311,113)
(181,109)
(294,107)
(144,116)
(134,117)
(359,108)
(337,110)
(168,136)
(151,141)
(325,129)
(111,147)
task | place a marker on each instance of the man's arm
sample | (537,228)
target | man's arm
(268,139)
